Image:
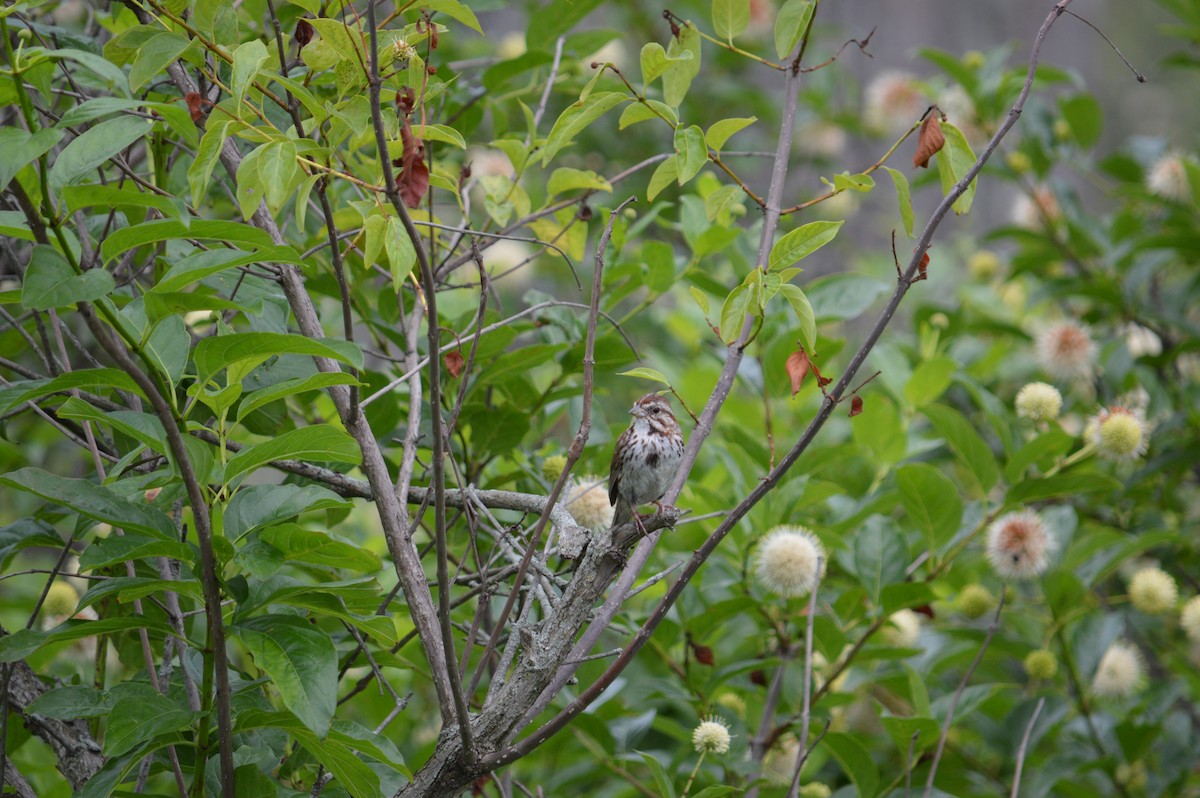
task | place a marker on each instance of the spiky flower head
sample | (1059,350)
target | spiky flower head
(1119,673)
(1119,433)
(403,51)
(588,503)
(790,560)
(1018,545)
(552,466)
(1189,619)
(711,736)
(1153,591)
(1168,178)
(1039,401)
(1041,664)
(893,101)
(975,600)
(902,629)
(1065,350)
(983,264)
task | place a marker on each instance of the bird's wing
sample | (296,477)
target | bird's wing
(614,476)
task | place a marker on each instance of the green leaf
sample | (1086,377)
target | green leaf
(730,17)
(278,171)
(22,643)
(302,663)
(678,79)
(132,588)
(321,443)
(654,62)
(50,282)
(115,549)
(955,167)
(665,788)
(402,256)
(228,233)
(204,263)
(262,505)
(319,548)
(91,500)
(576,118)
(879,557)
(566,179)
(903,595)
(643,112)
(280,390)
(931,501)
(965,442)
(209,152)
(930,380)
(838,297)
(213,354)
(690,151)
(457,11)
(701,299)
(102,378)
(802,242)
(154,56)
(663,176)
(71,701)
(862,183)
(95,146)
(91,196)
(1084,117)
(645,374)
(18,148)
(136,720)
(351,773)
(733,311)
(790,24)
(720,131)
(804,315)
(24,534)
(1045,448)
(904,198)
(248,58)
(853,757)
(1036,490)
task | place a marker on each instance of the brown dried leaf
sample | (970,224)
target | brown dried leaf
(856,404)
(413,179)
(930,139)
(454,364)
(821,381)
(922,267)
(304,33)
(758,677)
(797,367)
(704,655)
(195,104)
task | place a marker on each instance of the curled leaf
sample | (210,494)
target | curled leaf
(704,655)
(930,139)
(922,267)
(856,404)
(195,104)
(454,364)
(304,33)
(797,367)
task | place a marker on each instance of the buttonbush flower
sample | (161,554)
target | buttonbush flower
(1119,673)
(711,736)
(1153,591)
(1039,401)
(1018,546)
(1066,350)
(787,561)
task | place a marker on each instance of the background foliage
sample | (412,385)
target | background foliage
(174,437)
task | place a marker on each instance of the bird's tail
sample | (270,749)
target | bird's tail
(623,513)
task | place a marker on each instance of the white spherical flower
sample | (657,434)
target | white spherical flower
(1039,401)
(1119,673)
(1036,211)
(1168,178)
(790,560)
(1119,433)
(1142,342)
(780,762)
(1189,619)
(902,629)
(587,502)
(1018,546)
(893,101)
(711,736)
(1153,591)
(1065,350)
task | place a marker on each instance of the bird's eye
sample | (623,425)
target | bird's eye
(655,409)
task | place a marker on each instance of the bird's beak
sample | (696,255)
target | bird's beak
(636,411)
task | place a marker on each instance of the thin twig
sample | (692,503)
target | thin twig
(805,713)
(1025,744)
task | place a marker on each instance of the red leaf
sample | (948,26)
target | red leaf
(195,104)
(454,364)
(413,179)
(797,367)
(304,33)
(821,381)
(930,140)
(922,274)
(855,406)
(704,655)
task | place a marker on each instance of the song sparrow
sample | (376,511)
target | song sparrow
(645,459)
